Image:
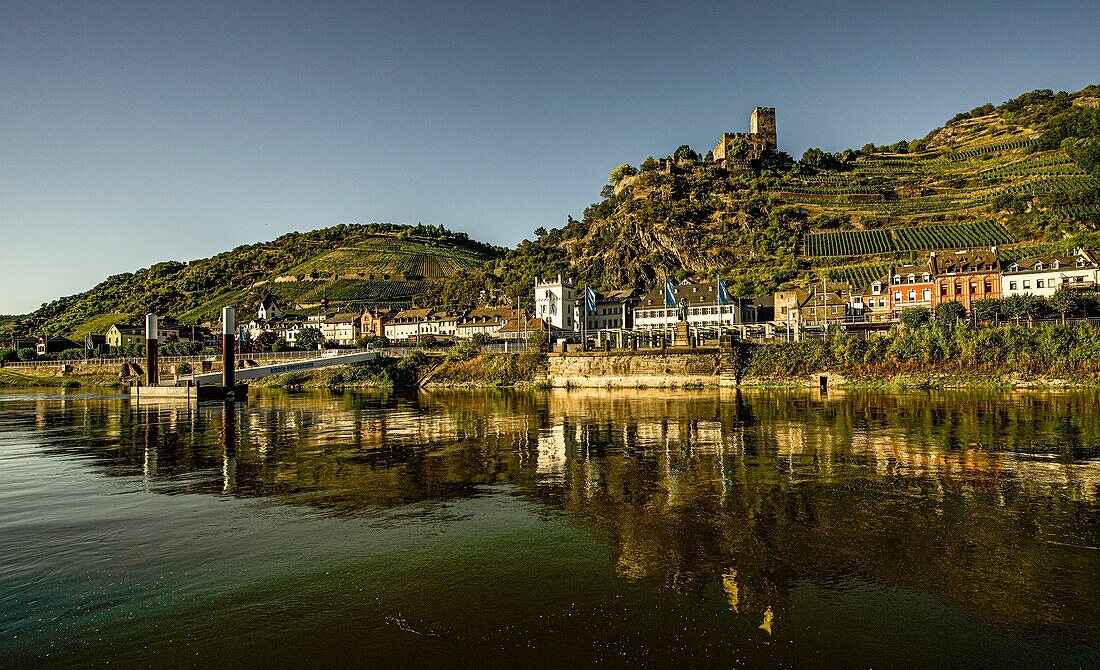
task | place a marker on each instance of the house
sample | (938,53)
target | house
(555,303)
(121,335)
(341,329)
(788,306)
(1043,275)
(828,303)
(485,321)
(54,345)
(873,303)
(912,285)
(614,310)
(701,301)
(268,310)
(373,322)
(520,329)
(965,276)
(410,324)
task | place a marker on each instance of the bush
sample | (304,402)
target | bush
(463,351)
(71,355)
(428,340)
(914,317)
(9,355)
(950,313)
(26,354)
(184,369)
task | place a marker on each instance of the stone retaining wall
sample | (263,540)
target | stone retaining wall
(626,369)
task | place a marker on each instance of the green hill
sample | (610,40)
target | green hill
(1022,175)
(351,266)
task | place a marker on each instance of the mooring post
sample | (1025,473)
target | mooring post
(228,343)
(152,376)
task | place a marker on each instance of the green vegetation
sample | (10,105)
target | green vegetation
(351,266)
(491,370)
(1050,351)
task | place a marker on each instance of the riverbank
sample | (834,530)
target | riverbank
(13,379)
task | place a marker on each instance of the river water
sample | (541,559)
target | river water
(551,529)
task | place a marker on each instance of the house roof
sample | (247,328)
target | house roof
(1032,263)
(416,314)
(964,260)
(533,325)
(692,293)
(343,318)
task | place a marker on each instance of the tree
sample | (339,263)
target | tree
(987,310)
(429,340)
(264,341)
(1067,302)
(649,164)
(480,338)
(538,341)
(26,354)
(914,317)
(816,158)
(950,313)
(310,338)
(686,153)
(540,232)
(280,344)
(9,355)
(621,172)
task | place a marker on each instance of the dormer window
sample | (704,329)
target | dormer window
(1039,265)
(897,279)
(1080,262)
(912,279)
(1014,267)
(1054,265)
(925,277)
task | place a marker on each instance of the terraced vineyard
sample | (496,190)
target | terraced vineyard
(849,243)
(877,242)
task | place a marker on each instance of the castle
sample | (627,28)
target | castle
(737,151)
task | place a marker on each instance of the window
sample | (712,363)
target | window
(834,309)
(1039,266)
(912,295)
(926,278)
(882,302)
(973,288)
(1027,283)
(1080,262)
(897,296)
(875,288)
(926,294)
(897,279)
(943,289)
(958,288)
(1038,283)
(912,279)
(1055,265)
(813,311)
(988,286)
(1011,286)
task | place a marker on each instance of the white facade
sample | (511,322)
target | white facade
(555,303)
(342,330)
(1044,276)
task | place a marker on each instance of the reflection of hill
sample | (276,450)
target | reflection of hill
(987,502)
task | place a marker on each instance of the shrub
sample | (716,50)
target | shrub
(26,354)
(950,313)
(9,355)
(914,317)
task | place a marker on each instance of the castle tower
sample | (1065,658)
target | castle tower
(763,123)
(554,302)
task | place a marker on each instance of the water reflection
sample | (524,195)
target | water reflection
(987,502)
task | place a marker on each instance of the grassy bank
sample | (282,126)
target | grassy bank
(385,373)
(13,379)
(492,370)
(936,356)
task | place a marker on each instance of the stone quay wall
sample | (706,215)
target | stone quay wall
(669,368)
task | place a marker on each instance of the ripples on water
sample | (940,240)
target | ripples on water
(551,529)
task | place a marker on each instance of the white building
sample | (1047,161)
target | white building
(485,321)
(268,310)
(703,310)
(614,310)
(1043,275)
(410,324)
(341,329)
(555,303)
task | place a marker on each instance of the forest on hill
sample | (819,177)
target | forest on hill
(1023,175)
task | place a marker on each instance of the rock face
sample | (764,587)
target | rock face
(672,369)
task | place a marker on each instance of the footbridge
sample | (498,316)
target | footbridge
(259,371)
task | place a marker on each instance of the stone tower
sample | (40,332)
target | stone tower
(763,124)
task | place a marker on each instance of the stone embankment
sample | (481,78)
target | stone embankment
(689,368)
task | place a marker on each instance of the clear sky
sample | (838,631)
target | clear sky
(137,132)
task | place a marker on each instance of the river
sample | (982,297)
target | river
(551,529)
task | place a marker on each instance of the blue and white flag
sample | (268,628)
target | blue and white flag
(670,293)
(723,293)
(589,300)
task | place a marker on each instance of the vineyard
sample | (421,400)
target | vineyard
(877,242)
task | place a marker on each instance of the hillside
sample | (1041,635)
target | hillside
(1022,175)
(351,266)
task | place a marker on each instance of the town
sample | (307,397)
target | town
(959,284)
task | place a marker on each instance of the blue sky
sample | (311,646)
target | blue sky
(138,132)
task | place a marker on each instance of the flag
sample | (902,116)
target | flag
(670,293)
(589,300)
(723,293)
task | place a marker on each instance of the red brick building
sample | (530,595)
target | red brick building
(966,276)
